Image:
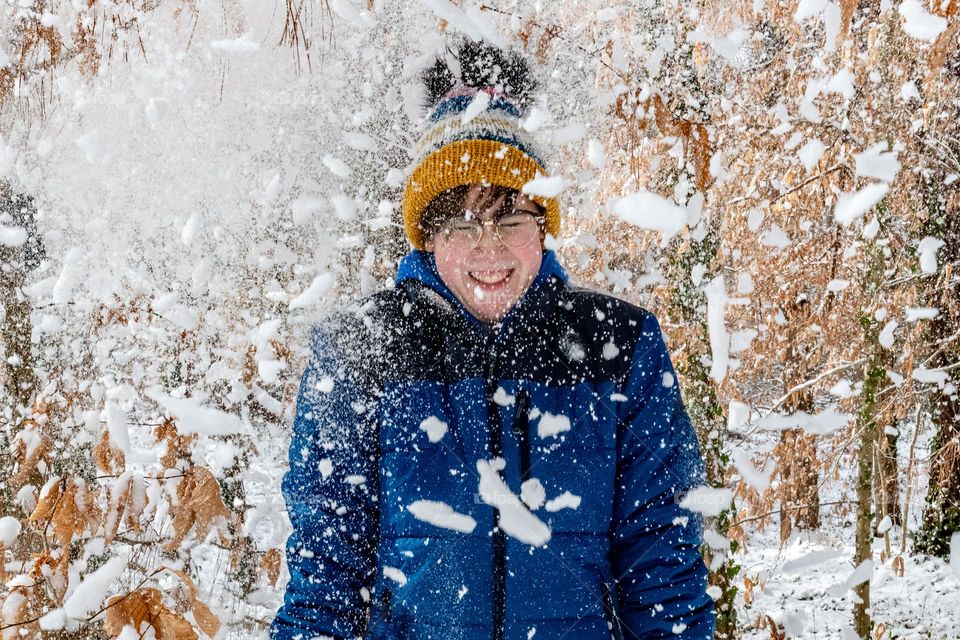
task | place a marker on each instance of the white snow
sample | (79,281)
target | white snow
(12,236)
(545,186)
(434,427)
(336,166)
(536,118)
(532,493)
(822,423)
(325,467)
(595,154)
(477,106)
(89,594)
(913,314)
(395,574)
(707,501)
(861,574)
(117,427)
(852,206)
(810,153)
(243,44)
(610,351)
(515,519)
(920,24)
(502,398)
(719,338)
(551,425)
(314,293)
(651,212)
(454,16)
(759,480)
(193,417)
(927,248)
(877,162)
(440,514)
(9,530)
(565,500)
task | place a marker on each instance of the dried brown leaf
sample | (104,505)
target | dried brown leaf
(107,458)
(270,565)
(199,505)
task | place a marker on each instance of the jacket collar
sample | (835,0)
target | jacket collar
(420,266)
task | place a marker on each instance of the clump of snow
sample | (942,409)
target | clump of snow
(477,106)
(395,574)
(651,212)
(719,338)
(877,162)
(595,154)
(12,236)
(565,500)
(515,519)
(434,427)
(551,425)
(532,493)
(89,594)
(852,206)
(707,501)
(440,514)
(314,293)
(193,417)
(920,24)
(502,398)
(9,530)
(927,249)
(810,153)
(545,186)
(759,480)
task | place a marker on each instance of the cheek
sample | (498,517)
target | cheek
(449,261)
(528,260)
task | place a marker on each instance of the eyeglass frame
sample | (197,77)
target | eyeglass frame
(494,222)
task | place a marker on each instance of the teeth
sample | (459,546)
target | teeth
(491,277)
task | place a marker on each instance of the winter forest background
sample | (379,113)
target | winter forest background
(186,186)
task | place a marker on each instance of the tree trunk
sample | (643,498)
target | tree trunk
(866,427)
(706,412)
(19,379)
(941,516)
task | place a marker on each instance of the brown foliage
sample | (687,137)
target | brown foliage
(112,461)
(146,606)
(66,512)
(270,565)
(199,506)
(178,447)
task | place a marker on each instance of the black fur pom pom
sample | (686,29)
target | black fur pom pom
(481,65)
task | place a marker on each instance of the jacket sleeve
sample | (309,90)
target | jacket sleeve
(330,492)
(659,572)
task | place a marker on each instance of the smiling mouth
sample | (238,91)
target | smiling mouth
(490,277)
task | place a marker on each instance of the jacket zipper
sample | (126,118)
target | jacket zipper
(611,614)
(521,428)
(499,539)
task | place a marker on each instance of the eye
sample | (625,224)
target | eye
(462,226)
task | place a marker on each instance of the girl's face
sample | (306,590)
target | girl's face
(487,275)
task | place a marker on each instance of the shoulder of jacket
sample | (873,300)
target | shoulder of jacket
(595,308)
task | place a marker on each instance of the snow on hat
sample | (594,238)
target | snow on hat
(473,134)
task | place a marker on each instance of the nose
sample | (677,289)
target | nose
(488,236)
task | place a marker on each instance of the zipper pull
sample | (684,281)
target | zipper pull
(520,419)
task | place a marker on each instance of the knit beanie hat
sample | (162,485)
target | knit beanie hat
(473,133)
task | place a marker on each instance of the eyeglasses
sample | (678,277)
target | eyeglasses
(514,230)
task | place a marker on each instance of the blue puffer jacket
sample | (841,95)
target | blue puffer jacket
(448,482)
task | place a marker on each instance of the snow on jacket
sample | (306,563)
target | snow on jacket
(451,482)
